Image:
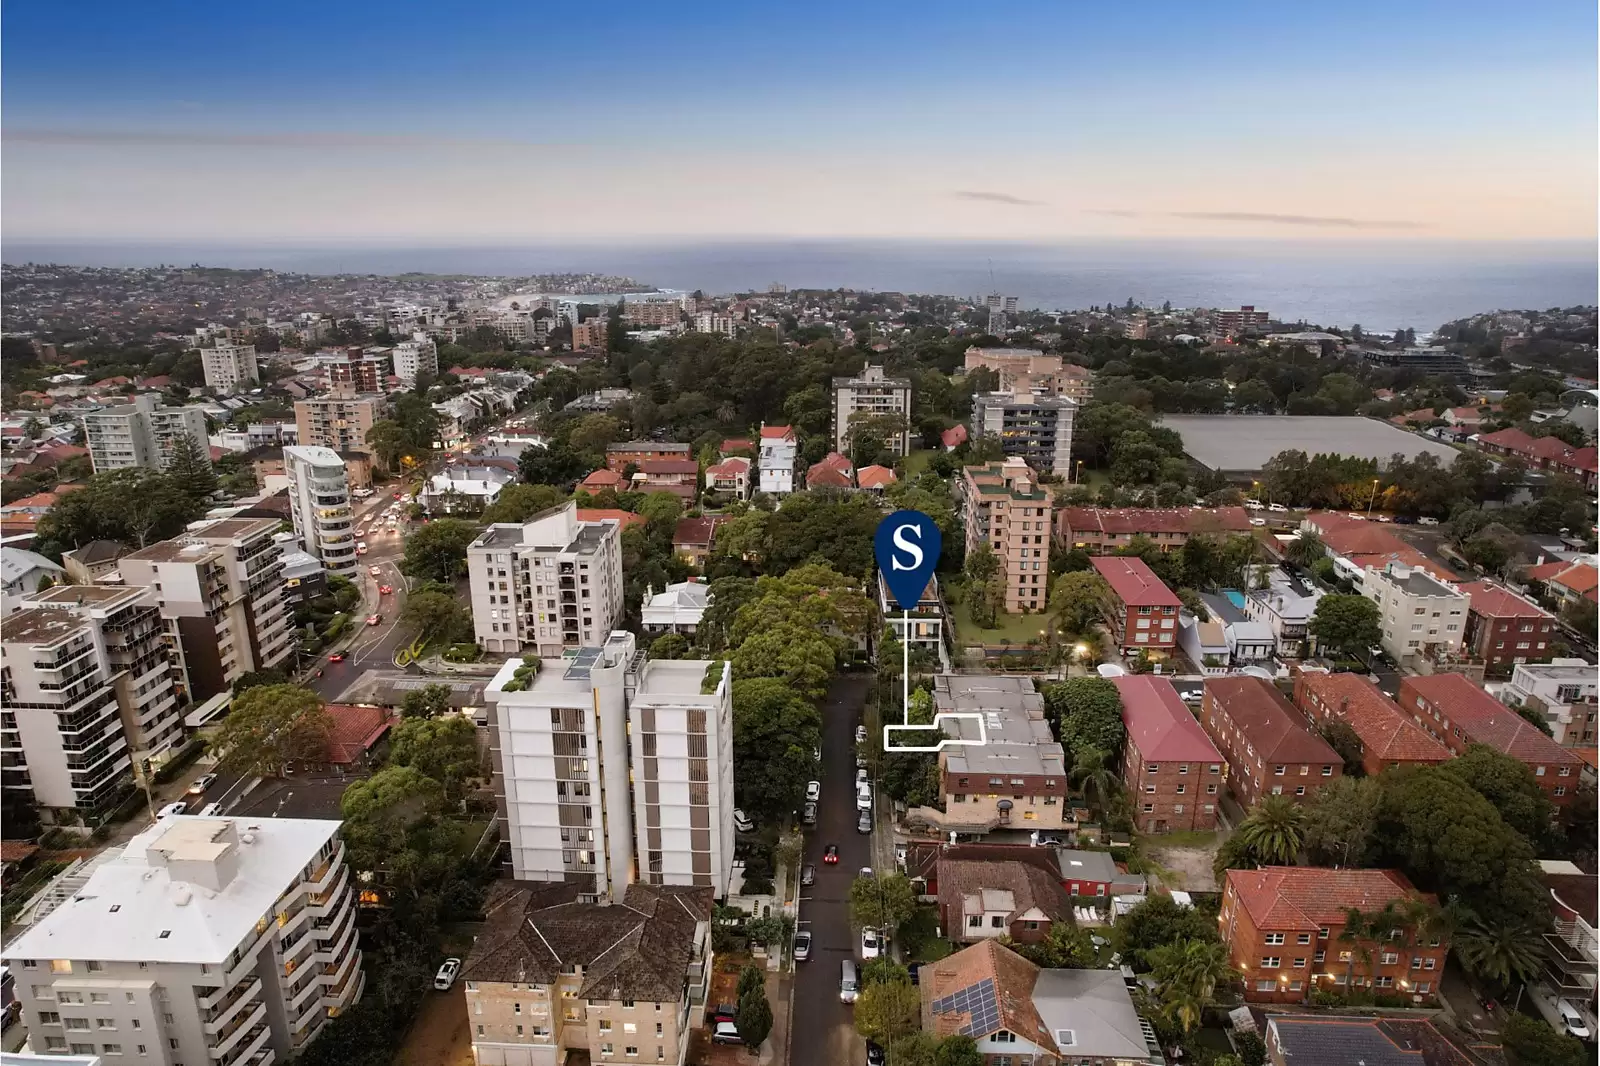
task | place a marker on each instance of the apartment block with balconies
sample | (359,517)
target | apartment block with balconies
(872,394)
(339,421)
(1005,509)
(223,941)
(319,505)
(1565,691)
(141,433)
(229,368)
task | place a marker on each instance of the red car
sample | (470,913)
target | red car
(397,495)
(338,657)
(830,855)
(374,619)
(384,590)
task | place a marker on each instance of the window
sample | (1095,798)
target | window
(975,921)
(1327,771)
(77,1024)
(1274,938)
(1303,938)
(1322,934)
(1004,1037)
(99,997)
(1266,986)
(1300,963)
(997,921)
(480,1030)
(1428,964)
(105,1023)
(49,1017)
(1424,988)
(630,1050)
(1416,962)
(1211,789)
(1386,982)
(1300,790)
(1279,771)
(1319,956)
(1390,958)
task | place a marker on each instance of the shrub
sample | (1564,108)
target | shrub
(713,677)
(522,676)
(463,653)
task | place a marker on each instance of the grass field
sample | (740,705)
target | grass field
(1017,628)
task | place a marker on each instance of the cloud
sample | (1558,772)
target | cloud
(211,139)
(996,198)
(1318,221)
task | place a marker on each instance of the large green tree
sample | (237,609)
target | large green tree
(1157,921)
(1274,831)
(1077,601)
(888,1010)
(444,748)
(1530,1042)
(438,551)
(775,731)
(1510,785)
(436,614)
(1340,821)
(882,901)
(1087,713)
(1348,625)
(189,468)
(519,503)
(270,727)
(1186,976)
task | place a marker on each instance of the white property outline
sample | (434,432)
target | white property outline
(938,718)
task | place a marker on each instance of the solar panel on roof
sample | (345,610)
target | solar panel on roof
(978,1002)
(582,663)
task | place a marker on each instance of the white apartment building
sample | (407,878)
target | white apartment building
(220,590)
(140,433)
(548,585)
(1035,427)
(230,368)
(613,768)
(1421,615)
(779,454)
(868,394)
(1565,691)
(414,358)
(319,505)
(1285,606)
(211,941)
(715,322)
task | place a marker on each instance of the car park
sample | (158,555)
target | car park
(447,974)
(201,783)
(802,946)
(830,855)
(808,875)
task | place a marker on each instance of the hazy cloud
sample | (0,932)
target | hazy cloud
(1319,221)
(996,198)
(209,139)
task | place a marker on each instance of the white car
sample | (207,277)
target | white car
(1258,521)
(813,790)
(173,808)
(1254,505)
(1572,1019)
(447,974)
(861,775)
(1277,508)
(861,734)
(1427,521)
(802,946)
(742,822)
(871,944)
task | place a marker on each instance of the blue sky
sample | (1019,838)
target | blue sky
(1050,120)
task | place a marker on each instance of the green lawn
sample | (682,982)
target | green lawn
(1187,839)
(917,462)
(1017,628)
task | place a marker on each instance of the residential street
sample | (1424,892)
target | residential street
(827,1036)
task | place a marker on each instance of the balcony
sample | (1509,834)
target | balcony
(242,1051)
(232,1003)
(237,1031)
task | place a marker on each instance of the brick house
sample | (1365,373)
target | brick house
(1172,771)
(681,477)
(1457,713)
(1284,927)
(1141,611)
(636,452)
(692,537)
(1545,453)
(1099,530)
(1388,738)
(1266,742)
(979,900)
(1503,629)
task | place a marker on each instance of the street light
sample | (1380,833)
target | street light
(1373,497)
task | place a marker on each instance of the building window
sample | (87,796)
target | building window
(1266,986)
(1274,938)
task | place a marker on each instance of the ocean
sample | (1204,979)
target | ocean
(1379,286)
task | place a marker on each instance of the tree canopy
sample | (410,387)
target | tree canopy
(270,727)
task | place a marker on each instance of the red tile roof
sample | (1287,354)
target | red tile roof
(776,432)
(1492,601)
(1485,720)
(602,479)
(1159,724)
(1289,898)
(953,437)
(730,467)
(355,730)
(1273,726)
(697,532)
(16,850)
(1133,582)
(1385,731)
(737,444)
(1147,520)
(824,476)
(875,477)
(601,514)
(1580,578)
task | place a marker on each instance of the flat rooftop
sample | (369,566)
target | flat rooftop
(675,677)
(88,595)
(173,551)
(237,528)
(39,625)
(1244,443)
(1018,737)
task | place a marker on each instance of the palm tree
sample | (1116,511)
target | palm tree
(1091,774)
(1274,831)
(1187,974)
(1306,549)
(1506,953)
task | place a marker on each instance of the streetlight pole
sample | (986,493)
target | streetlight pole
(1372,498)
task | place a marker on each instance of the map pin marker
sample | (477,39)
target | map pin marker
(907,546)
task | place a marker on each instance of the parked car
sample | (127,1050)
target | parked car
(374,570)
(871,944)
(808,875)
(864,822)
(1254,505)
(742,822)
(1572,1019)
(861,775)
(808,815)
(447,974)
(201,783)
(211,810)
(1277,508)
(1258,521)
(1426,521)
(875,1056)
(863,797)
(802,946)
(173,808)
(861,734)
(813,790)
(726,1033)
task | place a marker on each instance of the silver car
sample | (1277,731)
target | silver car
(864,822)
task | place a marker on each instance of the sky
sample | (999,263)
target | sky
(470,122)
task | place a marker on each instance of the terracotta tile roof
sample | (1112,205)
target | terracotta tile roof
(1274,727)
(820,476)
(696,532)
(730,467)
(1511,438)
(737,444)
(1385,731)
(1485,720)
(601,514)
(875,477)
(1133,582)
(1493,601)
(16,850)
(637,949)
(776,432)
(40,500)
(1013,977)
(603,479)
(1581,578)
(355,730)
(1030,887)
(953,437)
(1159,724)
(1148,520)
(1280,898)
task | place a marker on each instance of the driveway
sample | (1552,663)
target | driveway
(440,1035)
(827,1035)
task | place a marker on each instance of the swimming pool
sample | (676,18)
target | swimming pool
(1235,597)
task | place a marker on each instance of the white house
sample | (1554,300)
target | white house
(676,609)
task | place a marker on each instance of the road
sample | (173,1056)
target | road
(371,647)
(829,1037)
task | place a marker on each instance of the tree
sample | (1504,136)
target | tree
(436,615)
(443,748)
(1186,976)
(1274,830)
(751,978)
(189,469)
(886,1012)
(254,678)
(800,655)
(1087,713)
(519,503)
(430,701)
(917,1049)
(438,551)
(137,506)
(1076,599)
(1346,624)
(389,823)
(753,1018)
(1502,950)
(1530,1042)
(1093,773)
(882,901)
(1343,738)
(270,727)
(1157,921)
(670,646)
(775,731)
(1065,947)
(1305,549)
(32,428)
(1340,821)
(1535,719)
(956,1050)
(1509,784)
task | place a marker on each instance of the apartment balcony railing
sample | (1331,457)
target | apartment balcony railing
(255,1040)
(232,1003)
(238,1030)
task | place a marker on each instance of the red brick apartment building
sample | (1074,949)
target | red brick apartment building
(1503,629)
(1141,611)
(1098,530)
(1388,738)
(619,456)
(1282,925)
(1268,745)
(1172,771)
(1457,713)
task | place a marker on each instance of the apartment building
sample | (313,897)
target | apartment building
(553,979)
(1389,739)
(608,768)
(140,433)
(339,421)
(1285,607)
(731,477)
(1565,691)
(415,358)
(1456,712)
(718,322)
(1172,771)
(357,370)
(1421,615)
(550,584)
(1572,947)
(1237,320)
(1266,742)
(1140,610)
(652,313)
(1034,427)
(1284,927)
(779,456)
(589,334)
(1005,508)
(220,592)
(1544,453)
(227,941)
(872,394)
(1031,370)
(230,368)
(1017,779)
(319,506)
(1104,530)
(634,452)
(1504,629)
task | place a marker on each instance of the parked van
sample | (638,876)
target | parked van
(863,797)
(849,985)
